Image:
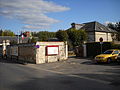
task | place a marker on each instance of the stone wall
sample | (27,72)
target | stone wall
(42,57)
(37,53)
(27,53)
(21,52)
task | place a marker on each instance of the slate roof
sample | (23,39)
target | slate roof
(96,27)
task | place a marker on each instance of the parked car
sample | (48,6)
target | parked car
(118,58)
(108,56)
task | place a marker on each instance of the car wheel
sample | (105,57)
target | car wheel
(109,60)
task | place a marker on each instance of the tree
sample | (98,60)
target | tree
(118,29)
(1,32)
(112,26)
(115,27)
(33,40)
(83,35)
(6,33)
(62,35)
(44,35)
(77,36)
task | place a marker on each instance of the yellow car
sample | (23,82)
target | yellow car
(107,56)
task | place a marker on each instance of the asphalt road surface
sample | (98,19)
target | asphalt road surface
(73,74)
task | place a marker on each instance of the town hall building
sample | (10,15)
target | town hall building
(95,31)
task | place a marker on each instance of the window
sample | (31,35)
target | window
(116,52)
(108,52)
(119,54)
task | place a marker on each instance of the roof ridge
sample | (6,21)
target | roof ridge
(90,22)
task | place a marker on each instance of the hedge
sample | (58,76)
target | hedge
(115,46)
(94,48)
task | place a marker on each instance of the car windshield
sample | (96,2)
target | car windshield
(108,52)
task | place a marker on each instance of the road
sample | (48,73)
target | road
(73,74)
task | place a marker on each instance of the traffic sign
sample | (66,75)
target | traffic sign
(101,39)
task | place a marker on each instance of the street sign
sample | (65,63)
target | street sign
(101,39)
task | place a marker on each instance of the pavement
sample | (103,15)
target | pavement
(72,74)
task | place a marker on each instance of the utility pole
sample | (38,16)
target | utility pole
(101,43)
(18,41)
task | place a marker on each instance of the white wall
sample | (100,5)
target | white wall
(109,37)
(106,36)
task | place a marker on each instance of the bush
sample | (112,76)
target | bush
(94,49)
(115,46)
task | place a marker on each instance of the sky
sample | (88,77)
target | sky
(54,15)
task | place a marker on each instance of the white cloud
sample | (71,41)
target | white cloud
(31,12)
(36,26)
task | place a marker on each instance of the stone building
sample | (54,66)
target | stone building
(95,31)
(39,52)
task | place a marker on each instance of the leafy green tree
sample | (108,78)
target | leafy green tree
(33,40)
(83,36)
(70,32)
(118,26)
(6,33)
(62,35)
(115,27)
(77,36)
(112,26)
(44,35)
(1,32)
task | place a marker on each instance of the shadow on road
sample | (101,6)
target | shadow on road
(114,79)
(12,61)
(111,75)
(61,83)
(90,62)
